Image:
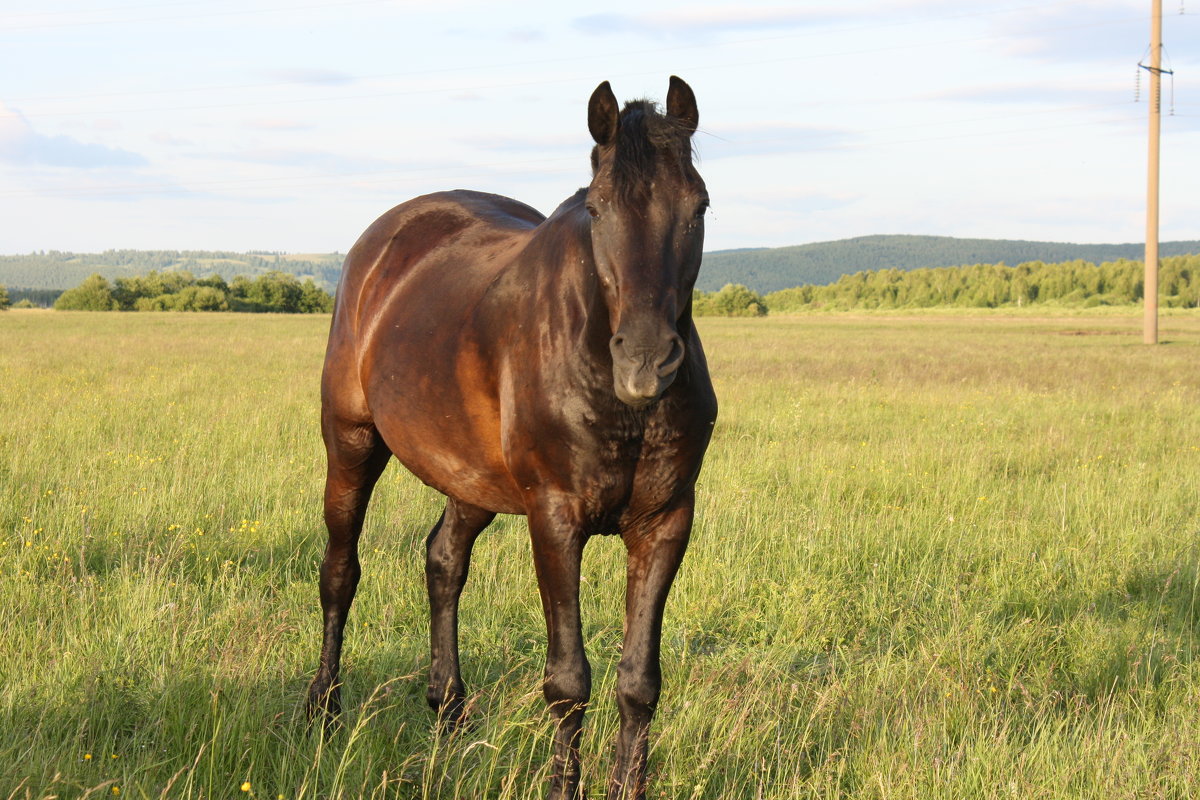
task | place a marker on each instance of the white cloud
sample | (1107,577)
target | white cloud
(308,76)
(21,144)
(1080,33)
(526,35)
(170,139)
(768,139)
(1041,93)
(324,161)
(278,124)
(703,21)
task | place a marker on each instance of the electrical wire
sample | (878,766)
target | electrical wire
(607,56)
(440,174)
(458,89)
(186,18)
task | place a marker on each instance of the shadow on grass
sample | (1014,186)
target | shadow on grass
(1136,634)
(233,710)
(152,733)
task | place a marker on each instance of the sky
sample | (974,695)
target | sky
(290,125)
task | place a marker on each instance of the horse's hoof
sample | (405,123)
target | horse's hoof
(451,708)
(453,717)
(324,706)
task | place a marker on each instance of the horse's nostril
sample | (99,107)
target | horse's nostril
(657,356)
(674,357)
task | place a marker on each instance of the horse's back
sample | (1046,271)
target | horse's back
(421,264)
(398,357)
(456,238)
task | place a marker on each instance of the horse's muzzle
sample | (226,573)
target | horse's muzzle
(642,369)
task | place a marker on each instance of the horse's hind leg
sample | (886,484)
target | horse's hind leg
(448,555)
(357,457)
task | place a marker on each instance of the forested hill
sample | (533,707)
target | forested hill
(771,269)
(59,270)
(763,270)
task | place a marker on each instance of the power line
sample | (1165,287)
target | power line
(4,20)
(32,14)
(185,18)
(441,174)
(363,176)
(402,92)
(608,56)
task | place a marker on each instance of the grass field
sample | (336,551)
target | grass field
(937,557)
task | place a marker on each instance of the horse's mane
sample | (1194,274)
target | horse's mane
(644,134)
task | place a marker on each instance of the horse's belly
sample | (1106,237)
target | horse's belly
(445,429)
(462,479)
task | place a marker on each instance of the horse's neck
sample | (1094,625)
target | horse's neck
(559,301)
(561,270)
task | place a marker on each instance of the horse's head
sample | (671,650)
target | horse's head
(647,204)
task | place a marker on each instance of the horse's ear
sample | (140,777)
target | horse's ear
(681,104)
(602,114)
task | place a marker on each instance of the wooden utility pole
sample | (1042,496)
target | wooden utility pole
(1150,291)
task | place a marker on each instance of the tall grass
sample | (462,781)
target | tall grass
(939,557)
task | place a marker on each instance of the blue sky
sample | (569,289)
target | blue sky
(291,125)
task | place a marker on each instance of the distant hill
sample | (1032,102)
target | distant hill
(770,269)
(60,270)
(762,269)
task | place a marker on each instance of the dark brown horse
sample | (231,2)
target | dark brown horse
(545,367)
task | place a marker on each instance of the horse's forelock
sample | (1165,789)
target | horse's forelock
(643,133)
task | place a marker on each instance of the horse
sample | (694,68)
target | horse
(547,367)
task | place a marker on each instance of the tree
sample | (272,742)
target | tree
(273,291)
(733,300)
(179,290)
(94,294)
(198,298)
(793,299)
(4,301)
(314,299)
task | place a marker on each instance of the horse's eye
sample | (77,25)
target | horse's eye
(700,212)
(591,209)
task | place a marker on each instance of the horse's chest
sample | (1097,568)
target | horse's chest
(635,469)
(610,460)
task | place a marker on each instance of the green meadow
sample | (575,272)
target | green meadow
(947,556)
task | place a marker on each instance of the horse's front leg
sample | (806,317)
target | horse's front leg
(558,539)
(655,550)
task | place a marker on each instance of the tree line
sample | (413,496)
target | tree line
(179,290)
(819,263)
(1070,284)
